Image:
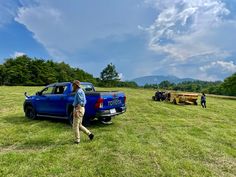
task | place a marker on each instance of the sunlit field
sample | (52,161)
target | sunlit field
(150,139)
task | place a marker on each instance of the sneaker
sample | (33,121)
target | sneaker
(76,142)
(91,136)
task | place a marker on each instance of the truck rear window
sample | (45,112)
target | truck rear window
(87,87)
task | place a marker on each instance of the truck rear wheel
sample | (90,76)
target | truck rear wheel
(71,118)
(86,121)
(105,120)
(30,112)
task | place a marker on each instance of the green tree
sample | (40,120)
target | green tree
(2,74)
(24,70)
(17,71)
(109,73)
(166,85)
(127,84)
(229,85)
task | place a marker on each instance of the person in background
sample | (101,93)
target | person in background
(203,100)
(78,113)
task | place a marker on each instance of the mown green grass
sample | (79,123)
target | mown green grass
(150,139)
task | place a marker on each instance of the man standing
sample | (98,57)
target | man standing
(203,100)
(78,113)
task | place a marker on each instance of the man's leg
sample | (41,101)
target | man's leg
(84,129)
(81,127)
(202,103)
(76,123)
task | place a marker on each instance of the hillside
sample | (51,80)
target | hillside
(141,81)
(150,139)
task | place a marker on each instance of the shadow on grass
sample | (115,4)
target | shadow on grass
(16,119)
(43,133)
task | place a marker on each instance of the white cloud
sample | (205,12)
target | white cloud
(217,70)
(17,54)
(64,27)
(220,66)
(185,29)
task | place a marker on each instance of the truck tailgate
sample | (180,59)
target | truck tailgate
(113,99)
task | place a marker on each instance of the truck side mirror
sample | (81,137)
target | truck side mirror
(38,93)
(26,95)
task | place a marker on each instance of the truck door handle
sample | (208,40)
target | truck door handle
(62,98)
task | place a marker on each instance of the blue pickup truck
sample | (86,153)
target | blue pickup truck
(55,101)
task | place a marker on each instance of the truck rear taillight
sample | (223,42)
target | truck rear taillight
(99,103)
(125,99)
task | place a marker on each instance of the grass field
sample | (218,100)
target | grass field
(150,139)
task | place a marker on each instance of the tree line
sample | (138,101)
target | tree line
(27,71)
(227,87)
(24,70)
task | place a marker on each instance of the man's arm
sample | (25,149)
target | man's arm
(81,98)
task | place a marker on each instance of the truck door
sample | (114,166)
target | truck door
(58,101)
(42,100)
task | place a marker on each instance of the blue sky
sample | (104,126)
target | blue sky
(141,37)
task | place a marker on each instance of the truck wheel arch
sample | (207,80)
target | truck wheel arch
(27,105)
(30,111)
(69,111)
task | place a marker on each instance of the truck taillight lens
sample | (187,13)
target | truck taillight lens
(125,99)
(99,103)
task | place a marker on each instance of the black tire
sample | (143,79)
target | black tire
(105,119)
(70,118)
(174,101)
(86,121)
(30,112)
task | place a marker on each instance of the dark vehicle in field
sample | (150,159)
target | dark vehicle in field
(176,97)
(159,96)
(55,101)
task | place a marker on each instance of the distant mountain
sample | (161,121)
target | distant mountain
(141,81)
